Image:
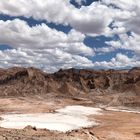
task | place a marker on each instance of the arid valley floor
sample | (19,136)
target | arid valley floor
(118,111)
(112,125)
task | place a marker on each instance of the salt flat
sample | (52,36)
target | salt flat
(65,119)
(121,109)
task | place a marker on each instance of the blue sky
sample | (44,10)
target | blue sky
(85,35)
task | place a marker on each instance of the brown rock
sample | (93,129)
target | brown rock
(30,81)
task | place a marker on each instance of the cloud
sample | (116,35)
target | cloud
(36,45)
(93,19)
(132,8)
(126,42)
(42,47)
(125,26)
(19,34)
(47,60)
(122,4)
(120,61)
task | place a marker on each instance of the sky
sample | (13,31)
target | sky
(62,34)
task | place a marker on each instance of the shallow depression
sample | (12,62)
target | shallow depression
(65,119)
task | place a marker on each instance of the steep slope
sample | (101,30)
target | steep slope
(72,82)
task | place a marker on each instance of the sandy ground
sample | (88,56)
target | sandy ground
(114,125)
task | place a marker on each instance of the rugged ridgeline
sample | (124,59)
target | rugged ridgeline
(71,82)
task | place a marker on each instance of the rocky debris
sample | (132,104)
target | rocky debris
(30,128)
(72,82)
(29,134)
(1,118)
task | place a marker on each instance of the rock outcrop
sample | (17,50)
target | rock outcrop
(72,82)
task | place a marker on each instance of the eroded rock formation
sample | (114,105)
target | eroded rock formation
(71,82)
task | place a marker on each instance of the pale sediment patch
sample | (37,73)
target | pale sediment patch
(119,109)
(80,110)
(65,119)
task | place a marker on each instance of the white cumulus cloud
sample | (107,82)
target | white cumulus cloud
(34,46)
(42,47)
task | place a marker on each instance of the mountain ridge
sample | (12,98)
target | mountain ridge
(72,83)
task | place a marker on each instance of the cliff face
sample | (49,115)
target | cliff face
(110,81)
(71,82)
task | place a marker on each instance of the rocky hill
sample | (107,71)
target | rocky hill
(72,83)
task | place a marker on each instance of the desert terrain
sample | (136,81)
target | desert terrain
(87,104)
